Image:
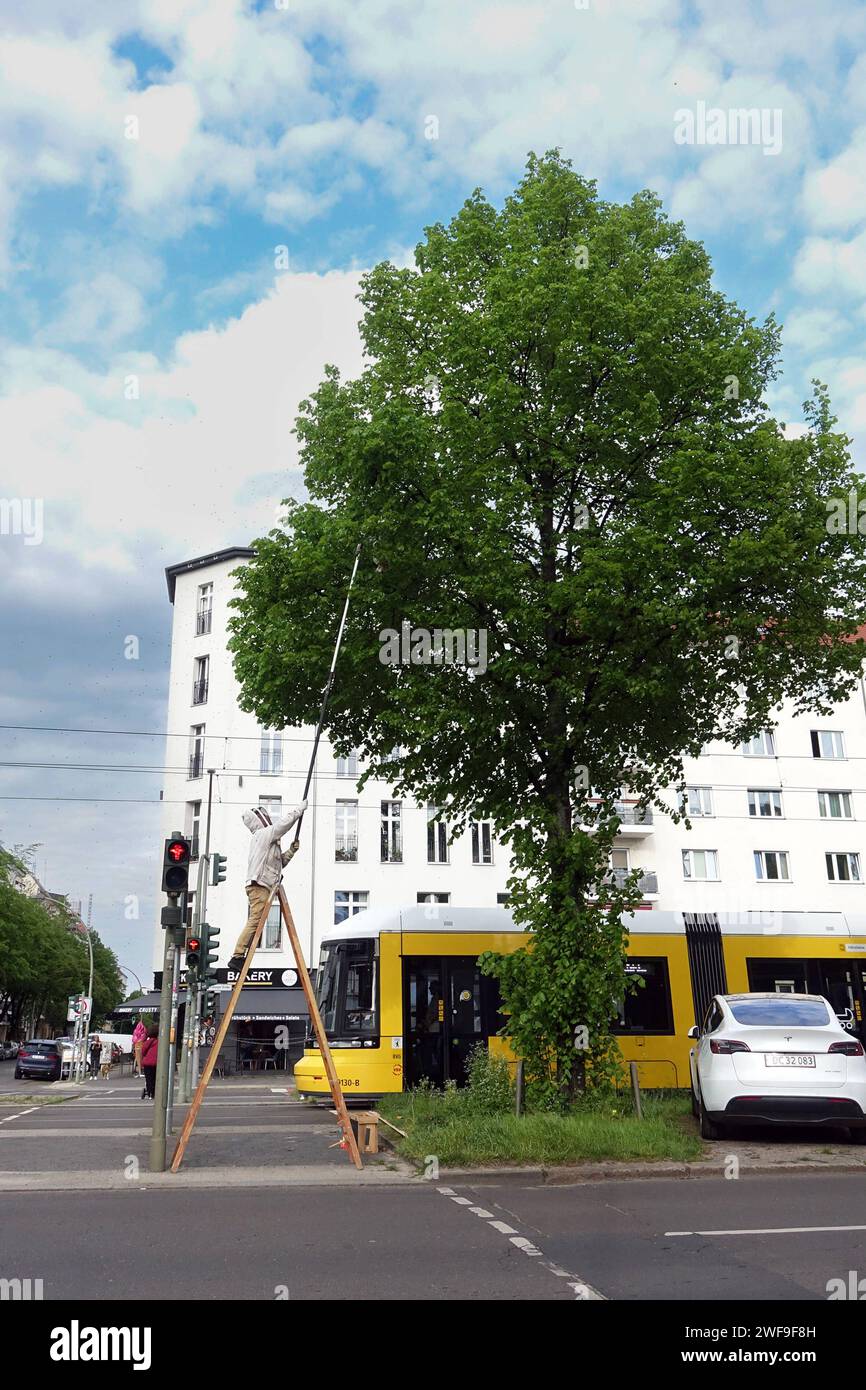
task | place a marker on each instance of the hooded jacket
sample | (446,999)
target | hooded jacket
(266,859)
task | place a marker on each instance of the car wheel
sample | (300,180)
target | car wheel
(857,1136)
(709,1128)
(17,1074)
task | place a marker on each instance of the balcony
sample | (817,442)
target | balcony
(346,849)
(635,822)
(203,621)
(196,765)
(648,882)
(199,692)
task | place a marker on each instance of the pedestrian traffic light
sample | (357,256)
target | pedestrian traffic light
(175,865)
(193,952)
(209,953)
(218,869)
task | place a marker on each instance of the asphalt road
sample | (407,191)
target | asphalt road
(755,1238)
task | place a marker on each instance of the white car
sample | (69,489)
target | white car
(776,1059)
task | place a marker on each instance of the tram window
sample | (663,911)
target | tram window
(648,1008)
(346,988)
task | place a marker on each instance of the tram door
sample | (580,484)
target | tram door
(442,1008)
(842,982)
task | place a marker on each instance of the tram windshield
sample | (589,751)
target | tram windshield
(346,988)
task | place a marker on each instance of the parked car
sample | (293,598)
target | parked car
(775,1059)
(39,1057)
(8,1050)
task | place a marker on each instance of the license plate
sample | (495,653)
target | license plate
(789,1059)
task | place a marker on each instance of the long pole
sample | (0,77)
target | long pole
(172,1037)
(201,908)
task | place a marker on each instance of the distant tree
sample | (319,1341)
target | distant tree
(560,438)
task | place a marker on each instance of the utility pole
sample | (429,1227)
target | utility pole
(200,916)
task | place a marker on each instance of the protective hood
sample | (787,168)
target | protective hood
(256,818)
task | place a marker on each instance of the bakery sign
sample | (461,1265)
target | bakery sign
(275,978)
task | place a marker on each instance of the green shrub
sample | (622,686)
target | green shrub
(488,1084)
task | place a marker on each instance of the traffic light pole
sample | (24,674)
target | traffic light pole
(173,939)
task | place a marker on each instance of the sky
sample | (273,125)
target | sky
(189,192)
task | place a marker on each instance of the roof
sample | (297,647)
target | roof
(443,917)
(217,557)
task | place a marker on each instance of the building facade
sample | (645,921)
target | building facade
(776,826)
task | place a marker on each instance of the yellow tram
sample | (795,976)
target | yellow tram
(402,997)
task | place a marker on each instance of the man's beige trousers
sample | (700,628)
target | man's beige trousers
(258,896)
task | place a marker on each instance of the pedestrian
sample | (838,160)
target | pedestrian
(148,1061)
(264,868)
(106,1057)
(95,1050)
(139,1033)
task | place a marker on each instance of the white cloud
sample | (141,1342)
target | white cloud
(182,466)
(835,196)
(828,266)
(810,330)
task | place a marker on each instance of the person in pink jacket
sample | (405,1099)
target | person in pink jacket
(139,1033)
(148,1060)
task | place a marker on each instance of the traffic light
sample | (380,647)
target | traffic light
(209,953)
(175,865)
(193,953)
(218,869)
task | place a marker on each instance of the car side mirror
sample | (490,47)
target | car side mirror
(694,1031)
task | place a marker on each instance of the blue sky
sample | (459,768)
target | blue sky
(153,154)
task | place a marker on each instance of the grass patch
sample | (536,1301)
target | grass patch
(35,1100)
(449,1126)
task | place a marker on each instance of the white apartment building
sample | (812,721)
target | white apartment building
(358,849)
(776,826)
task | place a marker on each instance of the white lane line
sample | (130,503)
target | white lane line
(582,1291)
(523,1243)
(7,1118)
(770,1231)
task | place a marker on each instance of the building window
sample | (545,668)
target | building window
(200,680)
(347,904)
(763,745)
(193,820)
(503,899)
(204,609)
(764,803)
(437,837)
(701,864)
(482,842)
(348,767)
(648,1009)
(834,805)
(827,743)
(392,832)
(843,868)
(698,801)
(434,897)
(271,753)
(346,833)
(196,750)
(771,866)
(272,936)
(273,805)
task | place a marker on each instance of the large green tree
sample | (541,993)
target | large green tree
(43,959)
(560,437)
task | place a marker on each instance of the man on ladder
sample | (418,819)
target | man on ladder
(266,863)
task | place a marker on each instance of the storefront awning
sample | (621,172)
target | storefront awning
(282,1005)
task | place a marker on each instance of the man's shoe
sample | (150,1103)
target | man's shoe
(235,963)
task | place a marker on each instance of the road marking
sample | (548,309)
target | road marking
(7,1118)
(581,1290)
(525,1244)
(770,1231)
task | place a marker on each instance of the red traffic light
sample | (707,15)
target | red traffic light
(193,944)
(178,851)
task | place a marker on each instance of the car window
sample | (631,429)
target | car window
(782,1012)
(707,1024)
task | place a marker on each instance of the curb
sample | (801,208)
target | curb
(575,1175)
(114,1180)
